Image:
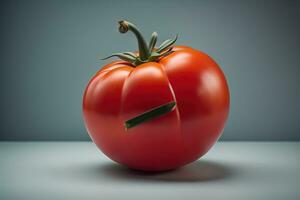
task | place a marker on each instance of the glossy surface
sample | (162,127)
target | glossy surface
(119,92)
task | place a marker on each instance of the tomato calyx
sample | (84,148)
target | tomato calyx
(147,52)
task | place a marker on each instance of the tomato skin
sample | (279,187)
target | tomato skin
(119,92)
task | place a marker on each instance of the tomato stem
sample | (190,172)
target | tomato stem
(146,53)
(143,47)
(150,114)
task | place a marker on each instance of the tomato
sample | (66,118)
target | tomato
(159,109)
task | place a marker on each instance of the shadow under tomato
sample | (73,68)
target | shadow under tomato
(199,171)
(97,172)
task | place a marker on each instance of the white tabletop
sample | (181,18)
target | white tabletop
(77,170)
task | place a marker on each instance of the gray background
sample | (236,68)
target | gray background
(49,51)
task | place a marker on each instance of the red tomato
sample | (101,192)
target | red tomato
(121,91)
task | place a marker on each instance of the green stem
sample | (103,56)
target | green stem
(143,47)
(150,114)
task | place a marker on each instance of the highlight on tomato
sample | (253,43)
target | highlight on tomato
(156,109)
